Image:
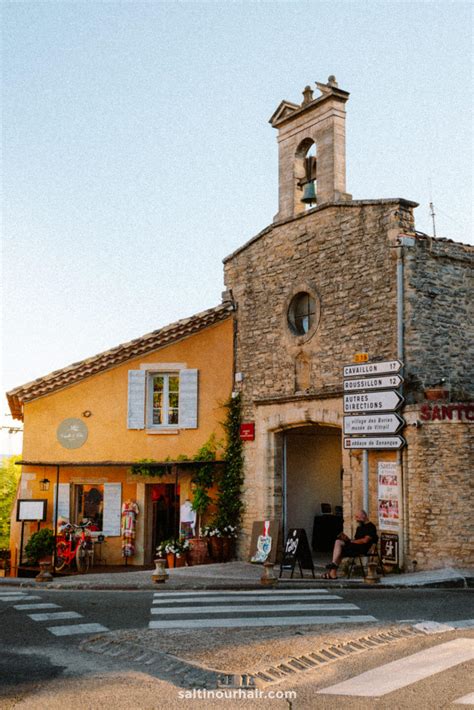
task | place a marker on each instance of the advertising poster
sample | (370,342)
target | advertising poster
(388,495)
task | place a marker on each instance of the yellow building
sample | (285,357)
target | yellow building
(158,397)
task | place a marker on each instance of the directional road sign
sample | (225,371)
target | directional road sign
(374,442)
(385,400)
(373,424)
(372,383)
(373,368)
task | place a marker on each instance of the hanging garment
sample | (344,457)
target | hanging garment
(130,511)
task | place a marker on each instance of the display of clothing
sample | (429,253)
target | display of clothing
(130,511)
(187,519)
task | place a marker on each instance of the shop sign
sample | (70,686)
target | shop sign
(375,442)
(447,412)
(373,368)
(31,509)
(72,433)
(373,424)
(389,548)
(385,400)
(247,431)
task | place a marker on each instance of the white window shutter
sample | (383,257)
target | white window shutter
(112,509)
(188,399)
(136,399)
(63,502)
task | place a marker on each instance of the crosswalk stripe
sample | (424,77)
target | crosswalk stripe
(17,597)
(398,674)
(51,616)
(244,593)
(28,607)
(466,700)
(263,600)
(9,592)
(68,630)
(258,609)
(255,621)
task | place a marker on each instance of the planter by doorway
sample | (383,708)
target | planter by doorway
(433,393)
(198,551)
(217,551)
(175,562)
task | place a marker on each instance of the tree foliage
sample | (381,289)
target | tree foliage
(9,477)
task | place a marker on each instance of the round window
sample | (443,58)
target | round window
(302,313)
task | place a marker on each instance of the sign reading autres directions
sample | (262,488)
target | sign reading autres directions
(385,401)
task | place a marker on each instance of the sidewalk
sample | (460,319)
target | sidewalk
(241,576)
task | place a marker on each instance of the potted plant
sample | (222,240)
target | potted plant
(214,538)
(437,390)
(174,551)
(40,546)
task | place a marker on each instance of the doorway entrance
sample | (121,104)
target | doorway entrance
(312,483)
(164,499)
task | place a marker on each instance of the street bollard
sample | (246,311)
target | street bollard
(45,573)
(372,576)
(268,576)
(159,573)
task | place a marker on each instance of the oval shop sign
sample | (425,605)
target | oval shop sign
(72,433)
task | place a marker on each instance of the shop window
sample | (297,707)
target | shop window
(89,505)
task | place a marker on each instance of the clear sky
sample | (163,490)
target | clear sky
(138,153)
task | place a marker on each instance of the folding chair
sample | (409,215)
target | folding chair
(372,552)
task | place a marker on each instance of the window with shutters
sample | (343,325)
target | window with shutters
(163,395)
(161,399)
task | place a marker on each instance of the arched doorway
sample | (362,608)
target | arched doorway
(312,483)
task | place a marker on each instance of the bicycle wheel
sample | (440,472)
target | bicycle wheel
(82,558)
(61,558)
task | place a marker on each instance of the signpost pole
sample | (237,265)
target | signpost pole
(365,480)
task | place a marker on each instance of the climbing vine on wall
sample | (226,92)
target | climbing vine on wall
(229,502)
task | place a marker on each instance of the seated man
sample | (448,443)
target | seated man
(365,537)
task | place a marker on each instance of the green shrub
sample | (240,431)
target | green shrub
(40,545)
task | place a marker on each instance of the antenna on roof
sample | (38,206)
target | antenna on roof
(432,212)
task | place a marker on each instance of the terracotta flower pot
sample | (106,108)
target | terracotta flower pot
(198,551)
(228,548)
(216,546)
(433,393)
(180,561)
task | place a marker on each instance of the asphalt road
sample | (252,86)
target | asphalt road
(41,669)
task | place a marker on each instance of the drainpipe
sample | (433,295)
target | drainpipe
(283,485)
(365,480)
(402,242)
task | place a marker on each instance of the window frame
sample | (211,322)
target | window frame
(151,374)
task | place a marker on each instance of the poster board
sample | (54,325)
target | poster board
(29,510)
(296,551)
(264,550)
(389,498)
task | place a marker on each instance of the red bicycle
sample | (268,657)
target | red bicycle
(74,547)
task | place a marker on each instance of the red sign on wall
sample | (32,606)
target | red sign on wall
(247,431)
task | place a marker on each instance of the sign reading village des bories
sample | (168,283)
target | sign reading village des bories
(72,433)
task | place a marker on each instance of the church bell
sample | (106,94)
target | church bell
(309,194)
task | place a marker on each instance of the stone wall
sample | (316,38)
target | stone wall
(439,324)
(344,253)
(438,465)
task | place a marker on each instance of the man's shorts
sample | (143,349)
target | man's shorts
(350,549)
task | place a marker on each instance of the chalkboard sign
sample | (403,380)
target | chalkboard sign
(296,550)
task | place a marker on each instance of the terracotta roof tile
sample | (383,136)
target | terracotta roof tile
(77,371)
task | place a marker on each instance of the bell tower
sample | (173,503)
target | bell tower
(311,150)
